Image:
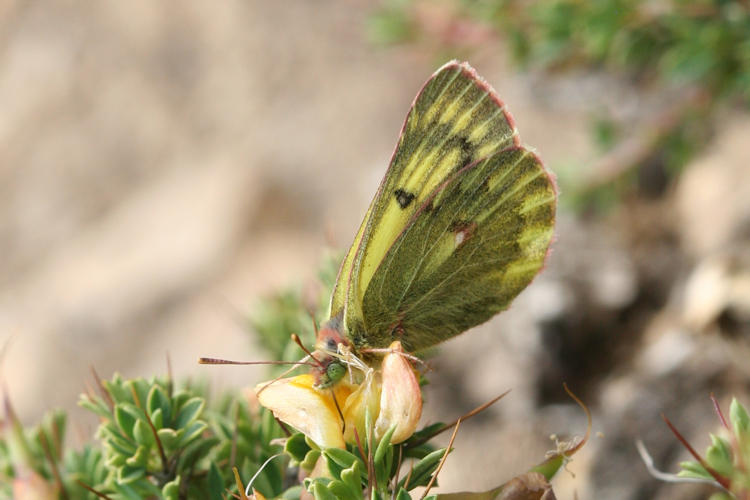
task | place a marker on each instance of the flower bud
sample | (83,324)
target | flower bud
(400,397)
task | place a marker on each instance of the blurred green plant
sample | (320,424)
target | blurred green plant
(153,442)
(725,462)
(695,54)
(727,458)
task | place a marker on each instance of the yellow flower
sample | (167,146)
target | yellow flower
(390,394)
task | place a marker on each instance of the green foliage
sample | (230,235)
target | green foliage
(704,43)
(154,442)
(727,457)
(354,471)
(389,25)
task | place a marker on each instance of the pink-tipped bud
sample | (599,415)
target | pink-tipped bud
(400,397)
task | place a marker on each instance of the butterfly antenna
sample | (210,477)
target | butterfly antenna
(296,340)
(219,361)
(315,325)
(303,361)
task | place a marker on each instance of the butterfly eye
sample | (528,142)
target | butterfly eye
(335,371)
(331,344)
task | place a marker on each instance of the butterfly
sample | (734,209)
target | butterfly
(460,225)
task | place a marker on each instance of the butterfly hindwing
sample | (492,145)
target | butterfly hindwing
(473,245)
(455,120)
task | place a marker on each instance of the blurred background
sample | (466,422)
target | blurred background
(165,165)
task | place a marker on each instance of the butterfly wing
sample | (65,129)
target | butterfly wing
(473,245)
(455,120)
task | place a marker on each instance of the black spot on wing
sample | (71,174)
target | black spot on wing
(404,198)
(467,147)
(467,151)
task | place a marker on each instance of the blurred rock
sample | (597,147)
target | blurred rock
(712,195)
(717,293)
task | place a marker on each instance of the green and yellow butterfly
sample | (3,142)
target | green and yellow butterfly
(461,223)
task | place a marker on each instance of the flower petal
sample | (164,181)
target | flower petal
(294,401)
(364,399)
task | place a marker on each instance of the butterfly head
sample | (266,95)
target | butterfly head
(330,336)
(330,348)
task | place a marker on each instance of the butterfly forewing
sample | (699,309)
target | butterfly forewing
(471,247)
(455,120)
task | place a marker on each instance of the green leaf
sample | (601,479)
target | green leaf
(114,458)
(127,492)
(310,460)
(193,431)
(158,400)
(739,417)
(142,433)
(719,456)
(383,459)
(140,459)
(339,457)
(180,398)
(95,405)
(321,492)
(128,474)
(116,389)
(293,493)
(403,495)
(296,447)
(550,466)
(171,490)
(157,418)
(168,438)
(693,469)
(125,415)
(139,388)
(423,470)
(119,444)
(342,490)
(191,454)
(352,477)
(383,445)
(215,483)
